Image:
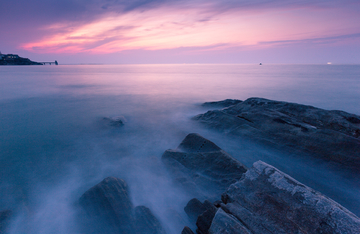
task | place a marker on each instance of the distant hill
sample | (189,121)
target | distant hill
(14,59)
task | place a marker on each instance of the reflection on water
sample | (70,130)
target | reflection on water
(53,146)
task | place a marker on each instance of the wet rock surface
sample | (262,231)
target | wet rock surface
(202,167)
(330,135)
(108,209)
(266,200)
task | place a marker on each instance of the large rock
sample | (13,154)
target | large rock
(331,135)
(109,209)
(109,206)
(202,167)
(266,200)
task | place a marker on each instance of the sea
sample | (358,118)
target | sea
(54,144)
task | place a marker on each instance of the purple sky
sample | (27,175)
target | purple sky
(182,31)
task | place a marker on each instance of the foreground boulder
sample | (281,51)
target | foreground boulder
(266,200)
(202,167)
(330,135)
(108,209)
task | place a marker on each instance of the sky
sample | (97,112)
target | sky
(182,31)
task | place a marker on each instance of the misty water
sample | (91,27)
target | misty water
(54,145)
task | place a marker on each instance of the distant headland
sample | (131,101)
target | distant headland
(14,59)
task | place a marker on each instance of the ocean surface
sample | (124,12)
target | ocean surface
(54,145)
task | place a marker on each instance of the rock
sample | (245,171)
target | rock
(266,200)
(108,206)
(5,217)
(195,208)
(146,222)
(187,230)
(330,135)
(224,223)
(222,104)
(117,121)
(204,220)
(109,209)
(202,167)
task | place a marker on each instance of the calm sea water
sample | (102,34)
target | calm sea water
(53,145)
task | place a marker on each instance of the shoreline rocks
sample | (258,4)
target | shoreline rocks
(330,135)
(263,200)
(202,167)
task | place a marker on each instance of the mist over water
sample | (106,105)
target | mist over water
(54,145)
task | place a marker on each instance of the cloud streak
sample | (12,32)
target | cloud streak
(108,26)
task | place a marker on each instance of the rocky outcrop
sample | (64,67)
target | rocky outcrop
(108,209)
(266,200)
(116,121)
(330,135)
(5,216)
(221,104)
(202,167)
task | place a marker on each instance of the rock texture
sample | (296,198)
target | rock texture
(109,209)
(146,222)
(202,167)
(267,200)
(5,216)
(330,135)
(187,230)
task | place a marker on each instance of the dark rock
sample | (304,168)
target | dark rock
(5,217)
(117,121)
(204,220)
(146,222)
(330,135)
(108,206)
(194,208)
(224,223)
(108,209)
(267,200)
(202,167)
(221,104)
(187,230)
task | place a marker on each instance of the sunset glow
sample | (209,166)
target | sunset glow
(203,26)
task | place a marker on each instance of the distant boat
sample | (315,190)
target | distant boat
(260,64)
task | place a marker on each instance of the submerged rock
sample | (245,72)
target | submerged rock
(330,135)
(116,121)
(109,209)
(266,200)
(5,217)
(202,167)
